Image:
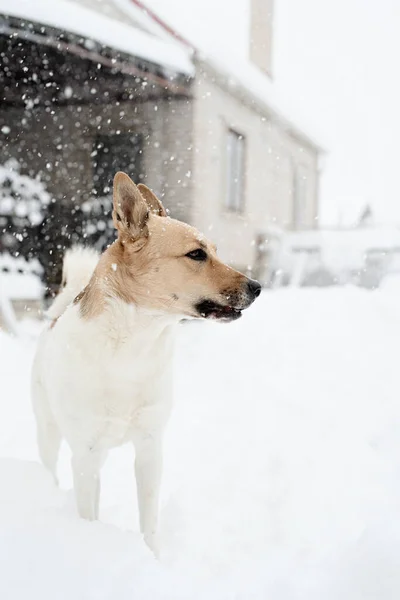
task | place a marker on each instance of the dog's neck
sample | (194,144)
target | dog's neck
(105,296)
(105,285)
(123,322)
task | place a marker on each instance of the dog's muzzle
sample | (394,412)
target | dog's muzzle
(236,302)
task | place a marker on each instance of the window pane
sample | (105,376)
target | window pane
(235,171)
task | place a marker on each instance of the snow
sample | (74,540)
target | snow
(282,467)
(70,16)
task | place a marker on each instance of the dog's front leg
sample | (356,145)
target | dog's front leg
(86,471)
(148,469)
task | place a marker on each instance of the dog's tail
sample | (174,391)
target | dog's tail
(78,266)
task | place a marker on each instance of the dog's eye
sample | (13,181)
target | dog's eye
(198,254)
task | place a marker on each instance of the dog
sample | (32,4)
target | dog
(102,373)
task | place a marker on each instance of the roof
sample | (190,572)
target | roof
(246,80)
(75,18)
(157,42)
(238,74)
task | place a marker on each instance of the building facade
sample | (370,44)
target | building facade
(105,86)
(251,171)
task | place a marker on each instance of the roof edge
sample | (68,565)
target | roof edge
(235,86)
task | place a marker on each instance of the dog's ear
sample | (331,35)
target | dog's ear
(154,204)
(130,212)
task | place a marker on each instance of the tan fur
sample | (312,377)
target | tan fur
(152,201)
(130,212)
(147,265)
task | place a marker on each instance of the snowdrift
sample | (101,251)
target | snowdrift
(282,467)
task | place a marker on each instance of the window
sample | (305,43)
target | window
(235,157)
(299,197)
(112,153)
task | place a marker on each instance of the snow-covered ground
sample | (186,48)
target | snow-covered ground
(282,467)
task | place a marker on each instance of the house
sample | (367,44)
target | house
(90,87)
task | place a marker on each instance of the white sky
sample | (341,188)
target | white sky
(336,63)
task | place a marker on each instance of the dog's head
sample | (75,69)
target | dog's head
(164,264)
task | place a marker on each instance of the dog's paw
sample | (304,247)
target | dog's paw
(152,543)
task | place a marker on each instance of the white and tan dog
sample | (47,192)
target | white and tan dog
(102,375)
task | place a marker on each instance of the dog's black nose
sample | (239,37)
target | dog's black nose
(254,287)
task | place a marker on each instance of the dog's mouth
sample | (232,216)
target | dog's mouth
(212,310)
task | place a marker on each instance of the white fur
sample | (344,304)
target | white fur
(79,264)
(102,382)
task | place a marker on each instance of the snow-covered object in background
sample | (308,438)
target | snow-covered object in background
(23,203)
(360,255)
(19,280)
(20,195)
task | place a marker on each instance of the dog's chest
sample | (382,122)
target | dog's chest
(136,392)
(112,386)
